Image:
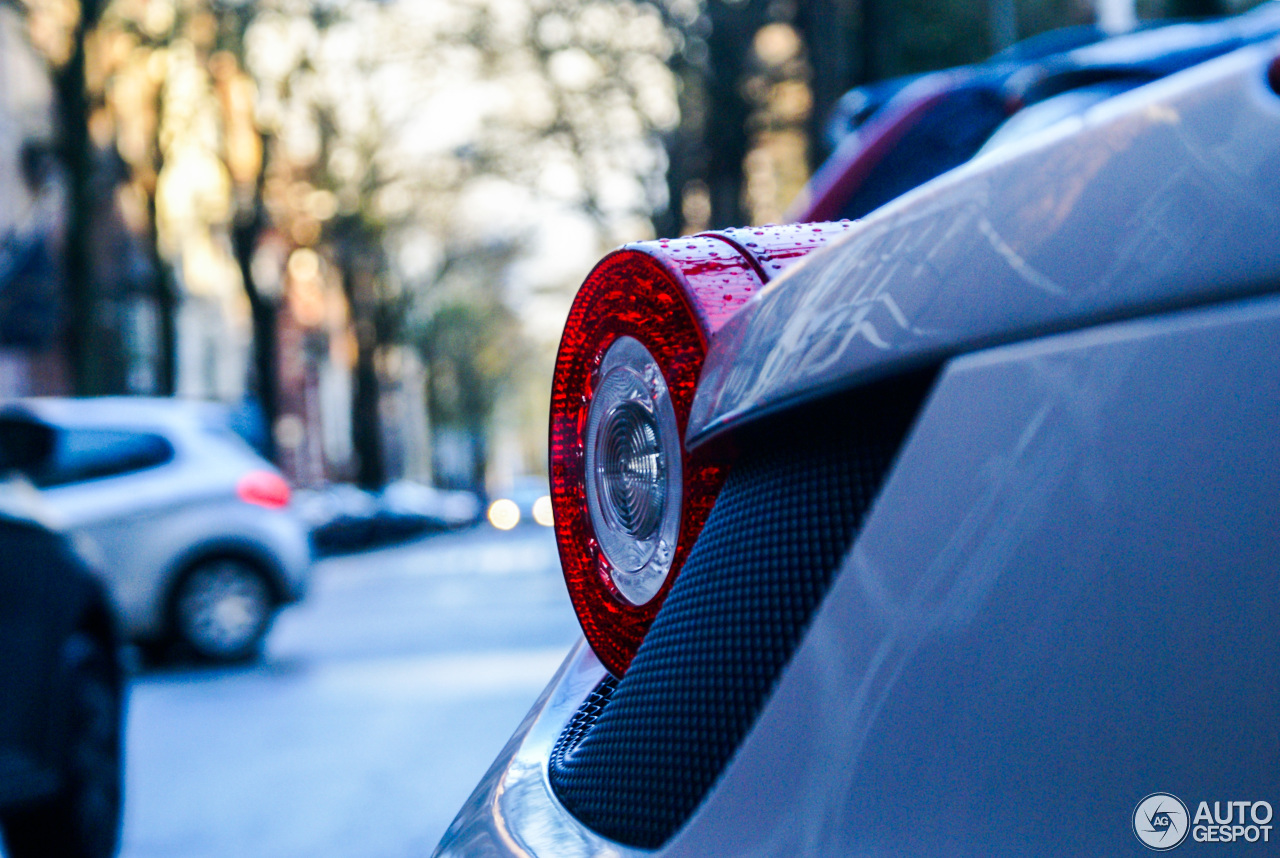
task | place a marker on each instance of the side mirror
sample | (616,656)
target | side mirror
(25,442)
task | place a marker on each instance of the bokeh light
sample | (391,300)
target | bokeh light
(504,514)
(542,511)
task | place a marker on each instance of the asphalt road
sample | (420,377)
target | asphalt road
(380,702)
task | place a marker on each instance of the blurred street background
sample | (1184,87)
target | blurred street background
(378,705)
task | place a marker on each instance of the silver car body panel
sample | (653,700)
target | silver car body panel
(1076,530)
(1129,209)
(141,529)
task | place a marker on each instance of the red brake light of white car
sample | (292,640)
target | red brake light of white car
(628,500)
(263,488)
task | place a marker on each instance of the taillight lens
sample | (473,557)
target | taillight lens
(633,471)
(628,499)
(263,488)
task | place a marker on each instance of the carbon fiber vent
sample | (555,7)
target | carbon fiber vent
(635,763)
(583,720)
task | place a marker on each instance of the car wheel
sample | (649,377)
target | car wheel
(82,820)
(222,609)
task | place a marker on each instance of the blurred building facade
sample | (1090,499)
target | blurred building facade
(32,216)
(165,308)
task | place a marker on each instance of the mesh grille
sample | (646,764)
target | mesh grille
(641,762)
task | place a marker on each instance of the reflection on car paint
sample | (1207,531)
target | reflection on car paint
(1128,214)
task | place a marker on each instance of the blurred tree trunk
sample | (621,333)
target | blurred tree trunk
(166,296)
(245,233)
(685,146)
(733,26)
(1004,23)
(101,266)
(366,428)
(878,36)
(471,345)
(1197,8)
(832,31)
(251,219)
(84,340)
(358,254)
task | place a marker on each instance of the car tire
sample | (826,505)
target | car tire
(81,820)
(222,609)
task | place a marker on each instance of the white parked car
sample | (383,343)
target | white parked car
(189,526)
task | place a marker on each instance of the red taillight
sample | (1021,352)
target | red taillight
(669,297)
(263,488)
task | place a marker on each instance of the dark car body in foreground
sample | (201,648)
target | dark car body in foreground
(61,685)
(992,563)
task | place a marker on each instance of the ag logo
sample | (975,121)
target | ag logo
(1160,821)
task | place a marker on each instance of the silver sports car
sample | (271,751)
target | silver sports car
(950,531)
